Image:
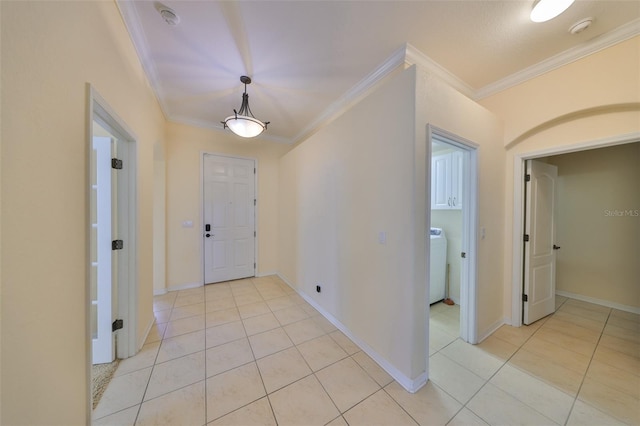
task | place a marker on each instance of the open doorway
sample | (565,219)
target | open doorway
(111,254)
(452,262)
(594,255)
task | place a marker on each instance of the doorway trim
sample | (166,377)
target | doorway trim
(201,214)
(127,291)
(468,273)
(518,206)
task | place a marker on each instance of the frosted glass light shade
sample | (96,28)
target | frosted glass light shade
(245,126)
(544,10)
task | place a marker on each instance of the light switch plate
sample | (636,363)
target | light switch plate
(382,237)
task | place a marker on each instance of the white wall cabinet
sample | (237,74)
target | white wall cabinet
(446,181)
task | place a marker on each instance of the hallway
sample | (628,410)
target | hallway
(254,352)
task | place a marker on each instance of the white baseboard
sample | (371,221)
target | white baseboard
(411,385)
(266,274)
(607,303)
(145,334)
(492,329)
(159,292)
(286,281)
(184,286)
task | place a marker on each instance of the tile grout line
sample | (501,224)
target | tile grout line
(588,366)
(348,355)
(206,397)
(255,360)
(586,370)
(493,375)
(154,365)
(584,376)
(384,389)
(313,373)
(533,376)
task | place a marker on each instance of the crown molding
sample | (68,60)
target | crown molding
(620,34)
(405,55)
(353,95)
(414,56)
(134,27)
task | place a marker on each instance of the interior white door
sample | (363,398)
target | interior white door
(102,301)
(540,258)
(229,218)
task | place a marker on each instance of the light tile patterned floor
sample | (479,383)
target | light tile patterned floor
(253,352)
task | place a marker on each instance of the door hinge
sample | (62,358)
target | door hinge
(254,234)
(254,265)
(117,325)
(116,164)
(526,238)
(463,255)
(254,170)
(117,245)
(525,298)
(527,177)
(254,201)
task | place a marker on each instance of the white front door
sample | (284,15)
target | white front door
(540,258)
(102,265)
(228,218)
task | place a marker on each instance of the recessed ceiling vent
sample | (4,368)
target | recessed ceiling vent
(168,14)
(581,25)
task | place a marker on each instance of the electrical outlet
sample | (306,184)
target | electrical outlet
(318,289)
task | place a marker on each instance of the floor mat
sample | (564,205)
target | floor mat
(101,375)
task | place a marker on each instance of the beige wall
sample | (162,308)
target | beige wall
(185,145)
(365,173)
(595,98)
(603,83)
(50,50)
(598,223)
(339,189)
(334,201)
(444,107)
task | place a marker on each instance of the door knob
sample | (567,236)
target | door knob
(555,247)
(207,235)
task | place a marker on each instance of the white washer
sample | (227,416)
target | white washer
(438,265)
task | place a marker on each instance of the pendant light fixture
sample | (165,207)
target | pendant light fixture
(544,10)
(242,122)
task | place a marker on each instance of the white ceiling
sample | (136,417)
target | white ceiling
(308,59)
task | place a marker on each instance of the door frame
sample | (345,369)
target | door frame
(98,109)
(468,273)
(519,168)
(256,208)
